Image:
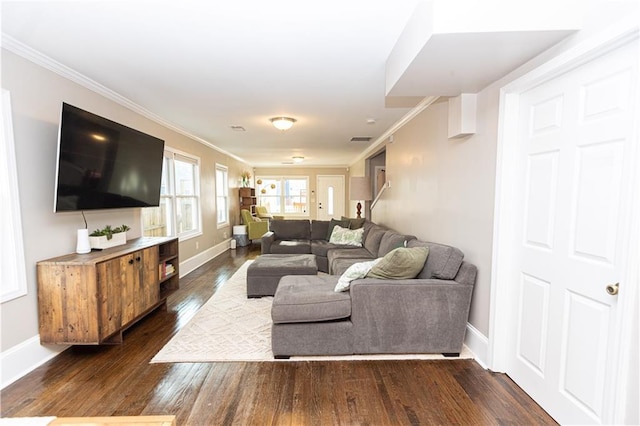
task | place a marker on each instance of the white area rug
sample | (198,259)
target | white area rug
(231,327)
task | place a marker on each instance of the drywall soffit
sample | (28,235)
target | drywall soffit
(443,52)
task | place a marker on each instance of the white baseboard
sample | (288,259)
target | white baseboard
(25,357)
(478,344)
(200,259)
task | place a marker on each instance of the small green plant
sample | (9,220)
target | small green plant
(108,231)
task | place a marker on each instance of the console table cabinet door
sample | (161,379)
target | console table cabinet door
(111,281)
(141,287)
(146,283)
(65,294)
(129,287)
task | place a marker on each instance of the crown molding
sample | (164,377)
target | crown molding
(38,58)
(382,139)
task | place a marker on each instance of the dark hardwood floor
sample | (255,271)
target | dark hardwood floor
(118,380)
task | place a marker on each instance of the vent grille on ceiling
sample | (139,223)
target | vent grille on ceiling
(361,139)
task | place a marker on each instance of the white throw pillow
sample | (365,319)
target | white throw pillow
(354,272)
(347,237)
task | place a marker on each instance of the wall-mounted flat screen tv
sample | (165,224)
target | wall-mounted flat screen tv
(105,165)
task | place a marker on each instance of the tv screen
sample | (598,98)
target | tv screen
(105,165)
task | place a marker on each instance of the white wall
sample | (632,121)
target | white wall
(446,190)
(36,96)
(443,190)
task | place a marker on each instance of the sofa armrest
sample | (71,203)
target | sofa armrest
(267,240)
(416,315)
(466,274)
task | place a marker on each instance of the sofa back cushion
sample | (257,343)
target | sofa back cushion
(372,239)
(443,261)
(390,240)
(354,223)
(291,229)
(319,229)
(333,223)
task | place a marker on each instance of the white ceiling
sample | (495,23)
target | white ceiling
(205,66)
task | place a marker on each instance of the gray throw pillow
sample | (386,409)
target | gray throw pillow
(400,264)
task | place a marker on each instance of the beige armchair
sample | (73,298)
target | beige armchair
(256,227)
(263,213)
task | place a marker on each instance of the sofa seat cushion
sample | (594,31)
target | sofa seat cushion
(291,247)
(309,298)
(322,247)
(340,266)
(350,253)
(359,253)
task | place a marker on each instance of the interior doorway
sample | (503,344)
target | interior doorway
(563,280)
(331,197)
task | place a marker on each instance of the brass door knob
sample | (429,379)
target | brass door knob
(612,289)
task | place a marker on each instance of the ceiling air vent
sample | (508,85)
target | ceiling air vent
(361,139)
(238,128)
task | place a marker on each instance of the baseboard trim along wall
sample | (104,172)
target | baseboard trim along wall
(200,259)
(477,343)
(25,357)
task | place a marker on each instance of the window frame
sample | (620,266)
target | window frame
(225,170)
(282,197)
(172,155)
(14,272)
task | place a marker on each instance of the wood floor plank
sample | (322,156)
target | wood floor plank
(120,381)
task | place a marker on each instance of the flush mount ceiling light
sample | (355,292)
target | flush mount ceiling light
(282,123)
(298,159)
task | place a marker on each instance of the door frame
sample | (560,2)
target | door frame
(344,190)
(502,312)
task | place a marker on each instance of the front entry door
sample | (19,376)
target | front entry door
(575,135)
(330,197)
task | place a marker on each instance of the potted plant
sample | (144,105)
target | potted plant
(108,237)
(245,178)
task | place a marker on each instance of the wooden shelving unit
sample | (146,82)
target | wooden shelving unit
(248,199)
(168,259)
(90,299)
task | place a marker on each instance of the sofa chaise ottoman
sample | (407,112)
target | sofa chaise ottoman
(264,273)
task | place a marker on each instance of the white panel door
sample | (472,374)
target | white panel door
(330,197)
(574,133)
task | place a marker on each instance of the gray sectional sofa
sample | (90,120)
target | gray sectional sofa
(425,314)
(312,237)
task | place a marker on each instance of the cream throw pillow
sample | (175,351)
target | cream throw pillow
(354,272)
(348,237)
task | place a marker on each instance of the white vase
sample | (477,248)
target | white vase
(83,246)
